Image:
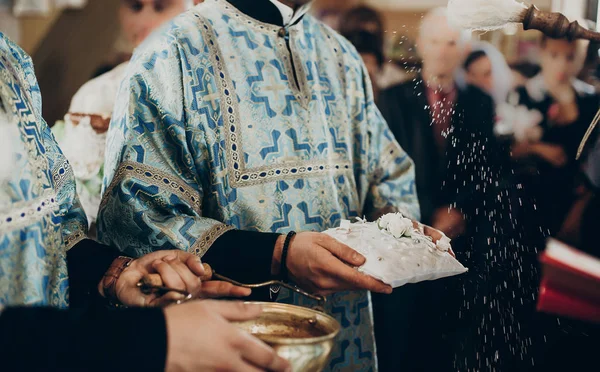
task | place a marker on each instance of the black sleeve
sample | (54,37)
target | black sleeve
(87,262)
(44,339)
(245,256)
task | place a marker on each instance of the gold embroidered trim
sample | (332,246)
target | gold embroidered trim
(235,159)
(202,244)
(156,178)
(239,175)
(75,237)
(62,174)
(266,174)
(27,212)
(235,13)
(303,93)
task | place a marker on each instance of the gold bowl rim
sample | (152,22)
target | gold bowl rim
(298,341)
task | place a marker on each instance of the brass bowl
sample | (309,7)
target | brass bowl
(300,335)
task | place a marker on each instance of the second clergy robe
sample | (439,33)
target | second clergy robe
(225,122)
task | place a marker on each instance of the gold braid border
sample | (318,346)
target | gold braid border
(207,239)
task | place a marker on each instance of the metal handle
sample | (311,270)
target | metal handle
(152,283)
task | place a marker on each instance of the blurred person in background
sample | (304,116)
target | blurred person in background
(48,265)
(447,130)
(369,20)
(522,72)
(82,134)
(567,107)
(486,68)
(362,18)
(424,114)
(371,53)
(547,174)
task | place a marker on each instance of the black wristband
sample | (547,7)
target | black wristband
(283,272)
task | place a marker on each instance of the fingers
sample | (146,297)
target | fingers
(347,278)
(341,251)
(169,275)
(193,262)
(433,233)
(167,299)
(191,281)
(216,289)
(260,355)
(234,311)
(418,226)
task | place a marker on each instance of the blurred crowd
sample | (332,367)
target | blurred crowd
(496,153)
(508,178)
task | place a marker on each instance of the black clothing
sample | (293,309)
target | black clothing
(469,175)
(549,188)
(455,177)
(45,339)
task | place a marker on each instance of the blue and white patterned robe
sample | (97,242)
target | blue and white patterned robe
(211,132)
(40,215)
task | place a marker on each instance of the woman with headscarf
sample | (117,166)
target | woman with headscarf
(486,68)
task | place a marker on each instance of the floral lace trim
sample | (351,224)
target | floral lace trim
(156,178)
(207,239)
(28,212)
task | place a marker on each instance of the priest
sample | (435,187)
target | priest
(240,124)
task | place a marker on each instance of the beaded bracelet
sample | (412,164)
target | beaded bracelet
(284,253)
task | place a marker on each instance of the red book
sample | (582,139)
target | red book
(570,284)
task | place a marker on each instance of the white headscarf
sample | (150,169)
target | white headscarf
(501,72)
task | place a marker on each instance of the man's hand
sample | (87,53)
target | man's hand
(178,270)
(449,221)
(322,265)
(201,338)
(553,154)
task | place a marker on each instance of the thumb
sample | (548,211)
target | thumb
(235,310)
(342,251)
